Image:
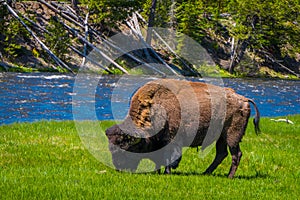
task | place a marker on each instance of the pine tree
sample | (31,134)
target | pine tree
(108,12)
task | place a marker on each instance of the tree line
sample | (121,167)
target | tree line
(268,31)
(237,33)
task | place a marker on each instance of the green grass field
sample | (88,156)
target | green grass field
(46,160)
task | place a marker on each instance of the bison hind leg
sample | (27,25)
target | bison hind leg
(221,154)
(236,155)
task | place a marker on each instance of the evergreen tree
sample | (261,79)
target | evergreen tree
(108,12)
(271,24)
(191,18)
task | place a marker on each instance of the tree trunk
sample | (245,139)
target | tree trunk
(151,21)
(232,56)
(238,53)
(86,37)
(75,5)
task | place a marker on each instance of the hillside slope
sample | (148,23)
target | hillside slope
(20,51)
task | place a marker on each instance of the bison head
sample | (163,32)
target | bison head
(127,143)
(121,145)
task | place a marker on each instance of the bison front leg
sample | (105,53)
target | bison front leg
(158,171)
(172,157)
(221,154)
(174,165)
(236,155)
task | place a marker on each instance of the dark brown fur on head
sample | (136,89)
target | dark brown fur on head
(119,143)
(127,150)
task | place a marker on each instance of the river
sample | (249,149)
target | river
(47,96)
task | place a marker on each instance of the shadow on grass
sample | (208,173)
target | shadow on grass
(245,177)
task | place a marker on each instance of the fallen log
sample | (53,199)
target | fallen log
(89,59)
(63,15)
(96,34)
(76,34)
(5,66)
(39,27)
(134,58)
(66,9)
(100,38)
(170,48)
(57,60)
(281,65)
(283,120)
(76,20)
(150,48)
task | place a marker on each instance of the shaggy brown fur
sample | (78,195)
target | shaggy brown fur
(164,109)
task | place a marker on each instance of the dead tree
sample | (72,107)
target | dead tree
(148,46)
(57,60)
(238,53)
(75,5)
(186,66)
(105,56)
(151,21)
(86,37)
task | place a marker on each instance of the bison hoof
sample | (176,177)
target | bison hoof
(168,170)
(230,176)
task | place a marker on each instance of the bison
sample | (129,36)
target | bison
(166,115)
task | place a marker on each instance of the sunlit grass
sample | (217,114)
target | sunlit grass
(47,160)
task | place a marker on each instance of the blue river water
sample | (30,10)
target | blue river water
(47,96)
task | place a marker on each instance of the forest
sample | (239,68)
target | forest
(244,38)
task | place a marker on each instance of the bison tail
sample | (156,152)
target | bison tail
(256,118)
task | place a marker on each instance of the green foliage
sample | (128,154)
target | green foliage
(58,39)
(266,72)
(14,33)
(22,69)
(47,160)
(163,13)
(271,24)
(109,12)
(214,71)
(266,26)
(61,70)
(13,49)
(189,19)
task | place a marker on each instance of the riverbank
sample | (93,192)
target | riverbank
(46,160)
(265,73)
(49,42)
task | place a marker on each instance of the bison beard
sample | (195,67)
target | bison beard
(155,117)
